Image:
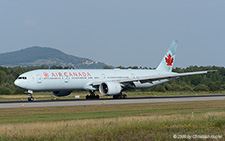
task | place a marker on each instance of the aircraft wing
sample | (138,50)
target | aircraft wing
(155,77)
(162,76)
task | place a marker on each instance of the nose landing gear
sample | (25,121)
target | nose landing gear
(30,98)
(29,92)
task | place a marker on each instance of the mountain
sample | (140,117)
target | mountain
(38,56)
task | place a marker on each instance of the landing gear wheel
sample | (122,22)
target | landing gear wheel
(29,92)
(87,97)
(122,96)
(97,96)
(30,99)
(92,96)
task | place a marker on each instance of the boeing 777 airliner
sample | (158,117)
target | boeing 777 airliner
(110,82)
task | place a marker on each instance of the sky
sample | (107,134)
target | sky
(119,32)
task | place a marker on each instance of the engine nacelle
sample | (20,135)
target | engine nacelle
(61,93)
(110,88)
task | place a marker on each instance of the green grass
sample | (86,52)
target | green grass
(153,121)
(77,116)
(48,114)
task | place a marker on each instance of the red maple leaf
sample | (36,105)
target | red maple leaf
(46,74)
(169,60)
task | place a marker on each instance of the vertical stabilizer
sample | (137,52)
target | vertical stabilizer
(168,60)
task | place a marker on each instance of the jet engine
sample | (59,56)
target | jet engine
(61,93)
(110,88)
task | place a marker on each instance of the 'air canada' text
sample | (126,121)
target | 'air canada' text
(66,74)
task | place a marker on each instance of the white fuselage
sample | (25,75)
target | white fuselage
(81,79)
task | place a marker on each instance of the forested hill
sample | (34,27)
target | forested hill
(38,56)
(206,82)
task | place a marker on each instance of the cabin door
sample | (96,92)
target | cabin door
(38,79)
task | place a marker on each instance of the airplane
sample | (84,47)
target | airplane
(109,82)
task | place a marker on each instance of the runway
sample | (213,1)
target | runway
(107,101)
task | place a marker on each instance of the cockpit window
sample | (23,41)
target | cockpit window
(22,77)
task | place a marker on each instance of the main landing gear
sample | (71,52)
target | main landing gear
(92,95)
(120,96)
(30,98)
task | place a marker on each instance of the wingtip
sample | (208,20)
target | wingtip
(211,71)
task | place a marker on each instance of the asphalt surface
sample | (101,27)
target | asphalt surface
(107,101)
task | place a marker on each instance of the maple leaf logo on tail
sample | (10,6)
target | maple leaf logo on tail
(169,60)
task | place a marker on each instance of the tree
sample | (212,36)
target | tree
(107,67)
(201,87)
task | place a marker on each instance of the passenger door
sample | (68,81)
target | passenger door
(38,79)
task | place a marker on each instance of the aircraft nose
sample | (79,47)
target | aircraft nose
(20,84)
(16,83)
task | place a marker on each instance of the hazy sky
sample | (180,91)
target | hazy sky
(118,32)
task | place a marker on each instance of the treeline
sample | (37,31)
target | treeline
(206,82)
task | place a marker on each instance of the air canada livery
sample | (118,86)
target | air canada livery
(111,82)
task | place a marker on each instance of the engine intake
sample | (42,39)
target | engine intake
(61,93)
(110,88)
